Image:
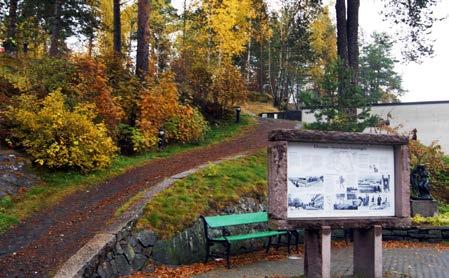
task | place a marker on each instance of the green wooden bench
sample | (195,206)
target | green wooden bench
(226,238)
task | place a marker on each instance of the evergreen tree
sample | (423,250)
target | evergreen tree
(378,78)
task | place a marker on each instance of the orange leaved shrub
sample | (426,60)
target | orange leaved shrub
(90,84)
(160,108)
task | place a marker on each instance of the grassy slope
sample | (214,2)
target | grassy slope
(62,183)
(206,191)
(258,107)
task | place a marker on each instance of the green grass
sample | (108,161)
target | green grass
(205,192)
(134,199)
(58,184)
(443,208)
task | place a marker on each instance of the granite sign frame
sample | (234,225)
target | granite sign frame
(278,178)
(367,226)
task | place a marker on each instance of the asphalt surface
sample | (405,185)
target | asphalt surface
(400,262)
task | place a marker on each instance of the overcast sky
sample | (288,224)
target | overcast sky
(424,82)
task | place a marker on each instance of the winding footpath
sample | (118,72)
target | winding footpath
(41,243)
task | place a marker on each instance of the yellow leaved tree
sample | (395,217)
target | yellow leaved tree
(230,23)
(323,41)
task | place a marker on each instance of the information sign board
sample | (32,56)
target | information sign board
(340,180)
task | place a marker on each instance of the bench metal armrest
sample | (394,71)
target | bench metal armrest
(206,228)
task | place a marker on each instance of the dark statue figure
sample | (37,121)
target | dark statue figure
(419,179)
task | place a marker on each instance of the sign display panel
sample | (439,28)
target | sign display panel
(340,180)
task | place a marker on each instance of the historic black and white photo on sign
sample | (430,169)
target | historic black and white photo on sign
(340,180)
(307,181)
(346,202)
(308,202)
(370,184)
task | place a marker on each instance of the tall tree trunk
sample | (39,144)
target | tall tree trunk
(353,42)
(270,75)
(261,68)
(117,29)
(56,30)
(348,49)
(248,63)
(279,79)
(143,38)
(11,43)
(184,24)
(342,35)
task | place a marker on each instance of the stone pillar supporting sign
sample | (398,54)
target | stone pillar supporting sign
(317,252)
(368,252)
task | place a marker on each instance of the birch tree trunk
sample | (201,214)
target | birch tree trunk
(248,63)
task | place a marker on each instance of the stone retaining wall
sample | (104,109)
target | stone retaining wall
(130,250)
(413,234)
(426,234)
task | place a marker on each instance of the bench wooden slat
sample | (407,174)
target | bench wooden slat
(251,235)
(236,219)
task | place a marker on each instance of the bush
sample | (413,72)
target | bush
(439,220)
(160,107)
(433,158)
(131,140)
(42,76)
(228,89)
(158,104)
(57,137)
(126,86)
(187,126)
(90,85)
(215,91)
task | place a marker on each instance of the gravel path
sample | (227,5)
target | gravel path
(400,262)
(41,243)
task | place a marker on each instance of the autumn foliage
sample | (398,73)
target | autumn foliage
(160,108)
(91,85)
(216,91)
(58,137)
(433,158)
(188,125)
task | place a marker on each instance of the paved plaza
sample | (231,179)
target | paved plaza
(401,262)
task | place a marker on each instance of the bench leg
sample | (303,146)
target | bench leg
(268,245)
(279,242)
(289,239)
(228,252)
(207,251)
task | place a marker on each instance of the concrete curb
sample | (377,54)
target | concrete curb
(75,265)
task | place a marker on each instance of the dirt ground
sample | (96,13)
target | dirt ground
(38,245)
